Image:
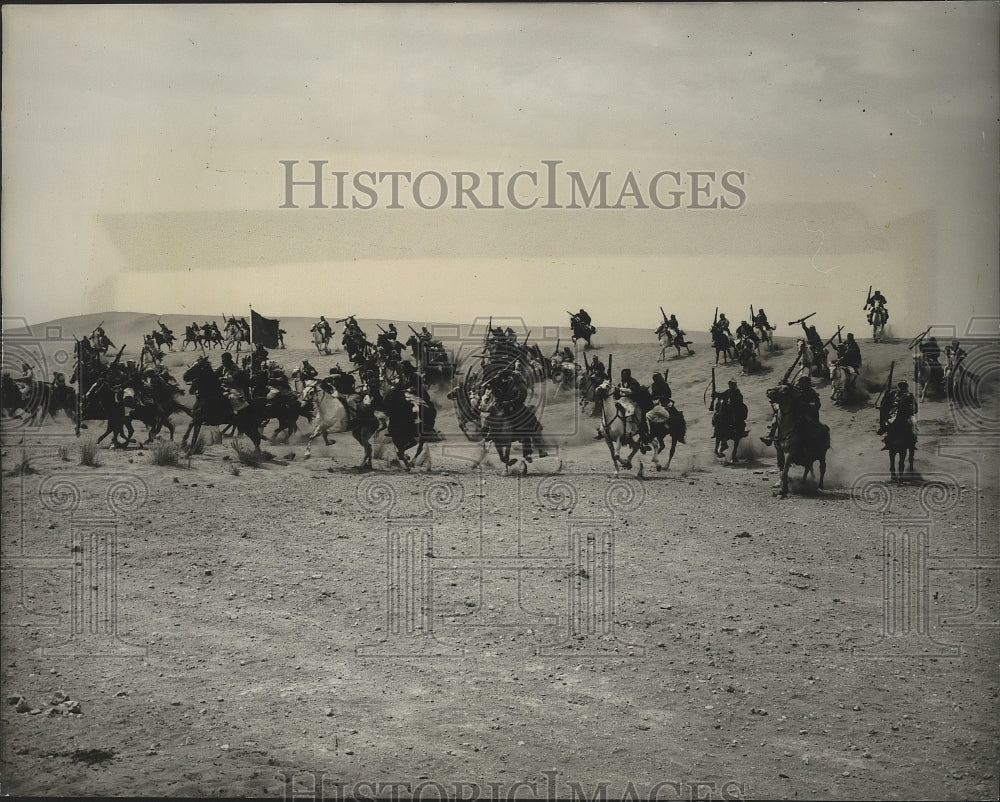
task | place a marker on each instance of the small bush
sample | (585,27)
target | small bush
(247,454)
(166,453)
(63,453)
(234,469)
(88,454)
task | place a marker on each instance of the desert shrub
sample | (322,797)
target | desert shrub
(88,453)
(166,453)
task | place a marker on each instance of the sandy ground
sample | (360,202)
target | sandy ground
(463,627)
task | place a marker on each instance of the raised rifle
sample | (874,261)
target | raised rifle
(715,319)
(344,319)
(711,405)
(888,386)
(413,330)
(801,320)
(917,340)
(868,302)
(788,373)
(835,336)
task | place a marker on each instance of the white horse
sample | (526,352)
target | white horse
(336,414)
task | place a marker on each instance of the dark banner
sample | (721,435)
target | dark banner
(263,330)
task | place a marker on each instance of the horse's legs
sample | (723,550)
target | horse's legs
(320,429)
(784,477)
(673,448)
(822,470)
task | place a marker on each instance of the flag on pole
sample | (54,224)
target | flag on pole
(263,330)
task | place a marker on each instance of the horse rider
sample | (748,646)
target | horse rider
(307,371)
(596,370)
(931,352)
(954,353)
(760,320)
(323,326)
(630,388)
(206,331)
(877,301)
(850,353)
(898,404)
(673,325)
(731,404)
(281,337)
(659,390)
(584,318)
(27,377)
(817,347)
(746,330)
(806,401)
(258,358)
(164,330)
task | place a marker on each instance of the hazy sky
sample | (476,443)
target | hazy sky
(141,150)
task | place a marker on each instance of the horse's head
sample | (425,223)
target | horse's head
(780,395)
(197,369)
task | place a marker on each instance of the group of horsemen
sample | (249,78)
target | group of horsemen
(380,368)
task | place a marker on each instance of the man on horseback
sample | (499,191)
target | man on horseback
(876,302)
(730,413)
(323,326)
(596,370)
(897,405)
(630,390)
(258,358)
(931,352)
(659,390)
(818,348)
(955,354)
(760,320)
(510,392)
(581,326)
(746,331)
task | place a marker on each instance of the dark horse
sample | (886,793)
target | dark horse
(212,407)
(432,358)
(404,426)
(722,344)
(901,438)
(798,442)
(506,424)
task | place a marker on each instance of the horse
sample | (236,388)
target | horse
(620,427)
(729,423)
(797,442)
(321,339)
(432,358)
(503,426)
(929,373)
(765,335)
(104,402)
(671,339)
(235,335)
(339,414)
(214,408)
(192,337)
(666,422)
(582,331)
(878,318)
(465,402)
(845,380)
(41,399)
(161,338)
(405,426)
(746,355)
(723,344)
(806,357)
(901,442)
(11,398)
